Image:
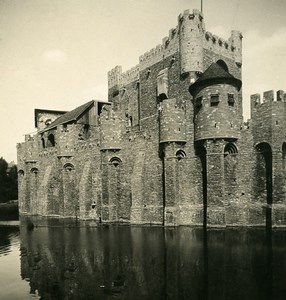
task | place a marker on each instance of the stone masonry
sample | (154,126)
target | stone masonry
(170,146)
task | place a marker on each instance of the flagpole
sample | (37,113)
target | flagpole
(201,6)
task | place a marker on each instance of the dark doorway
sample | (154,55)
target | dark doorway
(201,153)
(51,140)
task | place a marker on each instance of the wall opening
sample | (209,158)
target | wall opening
(48,122)
(230,148)
(222,64)
(264,151)
(51,140)
(284,150)
(180,154)
(202,154)
(69,167)
(230,166)
(230,99)
(43,143)
(214,100)
(34,171)
(21,173)
(115,161)
(86,131)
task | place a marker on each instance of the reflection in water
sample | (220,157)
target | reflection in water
(7,239)
(154,263)
(143,263)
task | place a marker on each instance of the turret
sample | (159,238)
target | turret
(236,45)
(268,118)
(216,105)
(191,28)
(114,82)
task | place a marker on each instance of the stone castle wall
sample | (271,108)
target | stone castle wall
(152,156)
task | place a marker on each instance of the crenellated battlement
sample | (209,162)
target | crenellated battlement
(268,96)
(114,76)
(188,15)
(229,48)
(257,102)
(130,75)
(118,78)
(168,47)
(29,138)
(189,38)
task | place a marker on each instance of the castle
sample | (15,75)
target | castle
(169,147)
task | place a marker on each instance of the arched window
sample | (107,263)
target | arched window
(263,148)
(51,140)
(222,64)
(115,161)
(43,143)
(69,167)
(34,171)
(230,148)
(180,154)
(21,173)
(48,122)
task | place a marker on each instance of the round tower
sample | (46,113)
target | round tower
(216,104)
(236,44)
(191,31)
(172,121)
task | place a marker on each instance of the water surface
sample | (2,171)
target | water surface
(123,262)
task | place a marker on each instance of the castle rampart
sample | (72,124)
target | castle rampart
(170,147)
(189,38)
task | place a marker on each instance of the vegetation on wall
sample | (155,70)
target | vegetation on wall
(8,181)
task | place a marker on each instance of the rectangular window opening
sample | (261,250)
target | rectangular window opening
(231,99)
(214,100)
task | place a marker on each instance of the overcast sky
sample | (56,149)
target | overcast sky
(55,54)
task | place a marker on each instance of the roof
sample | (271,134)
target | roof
(215,74)
(70,116)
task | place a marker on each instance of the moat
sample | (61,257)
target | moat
(125,262)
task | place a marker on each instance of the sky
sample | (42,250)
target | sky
(55,54)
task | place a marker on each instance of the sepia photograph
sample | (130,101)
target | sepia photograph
(143,149)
